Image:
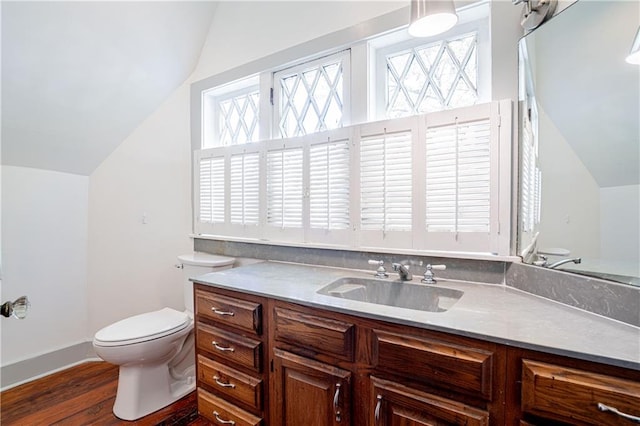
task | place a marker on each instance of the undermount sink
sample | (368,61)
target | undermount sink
(421,297)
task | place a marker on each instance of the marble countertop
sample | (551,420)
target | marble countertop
(485,311)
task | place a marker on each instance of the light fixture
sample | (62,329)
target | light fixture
(17,309)
(634,53)
(535,12)
(431,17)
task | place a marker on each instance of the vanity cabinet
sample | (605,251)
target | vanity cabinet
(423,378)
(310,392)
(265,362)
(397,404)
(231,349)
(559,390)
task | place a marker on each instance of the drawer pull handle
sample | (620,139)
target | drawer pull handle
(223,384)
(615,411)
(220,312)
(377,410)
(336,408)
(222,348)
(224,422)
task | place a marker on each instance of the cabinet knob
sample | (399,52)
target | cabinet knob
(220,420)
(222,348)
(223,384)
(336,407)
(221,312)
(378,407)
(604,408)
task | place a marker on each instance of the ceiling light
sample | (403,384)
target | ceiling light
(431,17)
(634,54)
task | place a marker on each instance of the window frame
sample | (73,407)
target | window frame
(343,56)
(472,23)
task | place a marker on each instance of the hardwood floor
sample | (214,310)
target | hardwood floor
(84,395)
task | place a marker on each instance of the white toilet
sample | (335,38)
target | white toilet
(155,350)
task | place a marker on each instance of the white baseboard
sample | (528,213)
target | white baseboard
(33,368)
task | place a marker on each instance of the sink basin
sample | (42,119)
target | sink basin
(421,297)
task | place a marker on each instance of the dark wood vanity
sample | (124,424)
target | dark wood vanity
(263,361)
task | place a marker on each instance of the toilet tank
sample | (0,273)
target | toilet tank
(196,264)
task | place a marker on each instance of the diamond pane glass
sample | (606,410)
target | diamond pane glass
(433,77)
(311,100)
(238,118)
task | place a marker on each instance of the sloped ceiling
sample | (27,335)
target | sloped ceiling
(588,90)
(79,77)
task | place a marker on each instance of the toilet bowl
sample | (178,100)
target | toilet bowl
(155,350)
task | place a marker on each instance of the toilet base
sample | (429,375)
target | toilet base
(143,389)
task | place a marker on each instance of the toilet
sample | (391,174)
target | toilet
(155,350)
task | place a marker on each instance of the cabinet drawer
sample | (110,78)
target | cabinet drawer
(230,346)
(395,404)
(221,412)
(234,312)
(569,394)
(442,364)
(319,333)
(230,382)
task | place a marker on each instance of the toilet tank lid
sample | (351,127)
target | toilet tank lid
(206,259)
(148,325)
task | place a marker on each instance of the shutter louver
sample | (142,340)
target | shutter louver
(329,185)
(385,182)
(212,186)
(458,180)
(531,180)
(284,188)
(245,188)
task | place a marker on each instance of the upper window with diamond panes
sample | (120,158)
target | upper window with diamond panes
(311,97)
(444,72)
(231,114)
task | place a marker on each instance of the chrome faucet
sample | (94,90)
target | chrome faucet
(403,271)
(554,265)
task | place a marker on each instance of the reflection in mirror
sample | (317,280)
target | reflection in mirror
(580,142)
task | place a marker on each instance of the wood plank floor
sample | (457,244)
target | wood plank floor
(84,395)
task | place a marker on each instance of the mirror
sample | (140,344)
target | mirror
(580,142)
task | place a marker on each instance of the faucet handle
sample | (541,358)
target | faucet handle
(429,277)
(380,272)
(437,267)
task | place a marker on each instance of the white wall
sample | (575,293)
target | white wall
(44,243)
(570,206)
(140,218)
(130,263)
(620,205)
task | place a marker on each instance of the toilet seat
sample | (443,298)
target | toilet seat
(142,328)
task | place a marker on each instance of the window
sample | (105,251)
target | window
(312,97)
(433,173)
(432,77)
(415,76)
(231,114)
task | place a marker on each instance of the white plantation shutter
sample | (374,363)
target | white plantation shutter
(385,181)
(212,186)
(244,184)
(466,179)
(439,181)
(458,180)
(329,185)
(284,187)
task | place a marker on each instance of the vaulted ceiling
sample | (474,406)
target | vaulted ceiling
(79,77)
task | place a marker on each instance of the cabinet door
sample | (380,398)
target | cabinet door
(398,405)
(309,393)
